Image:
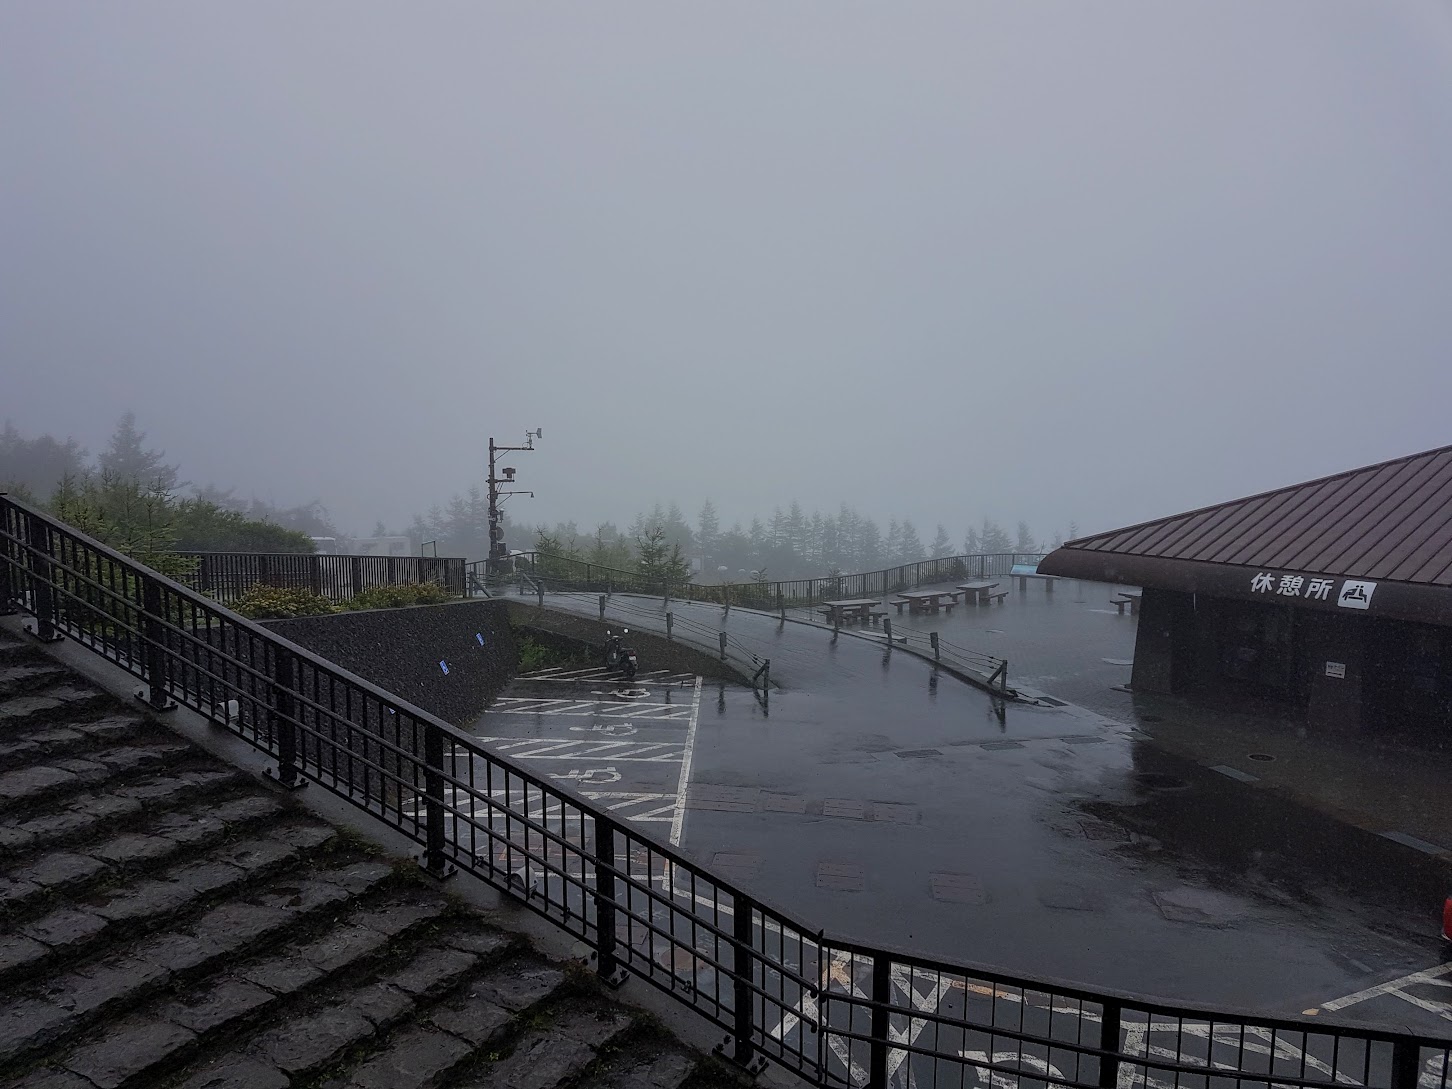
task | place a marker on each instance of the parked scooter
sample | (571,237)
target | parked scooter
(618,656)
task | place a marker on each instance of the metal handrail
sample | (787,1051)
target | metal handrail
(834,1011)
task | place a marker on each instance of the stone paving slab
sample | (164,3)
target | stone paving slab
(127,1050)
(415,1058)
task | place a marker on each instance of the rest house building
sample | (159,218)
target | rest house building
(1328,602)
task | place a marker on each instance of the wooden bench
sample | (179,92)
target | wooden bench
(996,599)
(900,602)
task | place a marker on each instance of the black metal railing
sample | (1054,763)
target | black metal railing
(226,576)
(836,1012)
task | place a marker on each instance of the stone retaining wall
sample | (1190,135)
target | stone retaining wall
(400,650)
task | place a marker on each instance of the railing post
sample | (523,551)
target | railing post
(355,573)
(1109,1044)
(8,556)
(670,623)
(154,630)
(607,964)
(743,972)
(315,574)
(933,638)
(1406,1064)
(602,606)
(723,646)
(42,574)
(881,996)
(435,858)
(284,679)
(887,630)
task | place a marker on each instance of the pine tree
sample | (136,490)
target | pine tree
(941,545)
(892,547)
(972,543)
(993,539)
(1025,541)
(911,549)
(126,458)
(708,531)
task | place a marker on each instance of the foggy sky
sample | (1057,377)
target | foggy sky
(1092,262)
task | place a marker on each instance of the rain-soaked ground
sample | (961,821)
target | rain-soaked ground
(878,801)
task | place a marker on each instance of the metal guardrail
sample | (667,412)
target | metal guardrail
(226,576)
(580,575)
(834,1011)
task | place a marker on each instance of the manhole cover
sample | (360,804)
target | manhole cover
(1156,781)
(1264,756)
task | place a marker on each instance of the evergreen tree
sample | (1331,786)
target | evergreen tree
(911,549)
(126,458)
(1025,539)
(708,532)
(37,466)
(892,547)
(941,545)
(992,538)
(972,543)
(869,548)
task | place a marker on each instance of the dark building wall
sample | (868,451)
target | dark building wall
(400,649)
(1165,619)
(1186,644)
(1334,645)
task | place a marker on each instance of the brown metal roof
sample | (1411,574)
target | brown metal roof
(1391,521)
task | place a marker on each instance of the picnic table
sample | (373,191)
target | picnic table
(1126,597)
(927,601)
(981,591)
(1025,571)
(850,609)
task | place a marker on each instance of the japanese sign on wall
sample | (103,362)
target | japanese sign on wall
(1351,594)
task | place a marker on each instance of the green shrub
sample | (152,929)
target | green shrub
(396,597)
(277,603)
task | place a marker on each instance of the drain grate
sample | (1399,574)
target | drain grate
(1051,701)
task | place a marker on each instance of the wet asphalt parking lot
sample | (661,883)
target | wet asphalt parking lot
(882,802)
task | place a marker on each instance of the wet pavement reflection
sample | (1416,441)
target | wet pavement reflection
(887,803)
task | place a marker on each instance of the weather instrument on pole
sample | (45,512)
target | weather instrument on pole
(498,550)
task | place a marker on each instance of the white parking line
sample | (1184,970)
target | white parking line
(1395,987)
(678,821)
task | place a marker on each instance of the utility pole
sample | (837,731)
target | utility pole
(498,550)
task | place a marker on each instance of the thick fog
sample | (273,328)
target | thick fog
(1057,262)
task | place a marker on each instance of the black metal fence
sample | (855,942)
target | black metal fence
(226,576)
(564,572)
(836,1012)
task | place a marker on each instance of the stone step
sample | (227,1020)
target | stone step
(238,932)
(411,1025)
(70,699)
(40,783)
(24,675)
(68,813)
(27,885)
(556,1053)
(649,1064)
(80,927)
(36,742)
